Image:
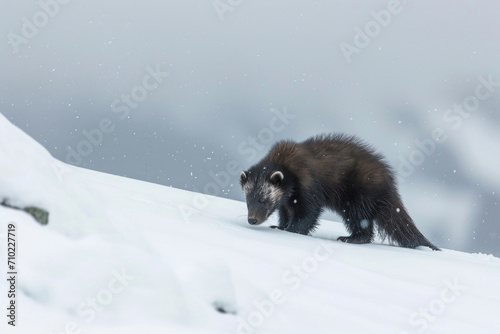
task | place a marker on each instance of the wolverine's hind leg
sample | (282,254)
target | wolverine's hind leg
(359,223)
(357,238)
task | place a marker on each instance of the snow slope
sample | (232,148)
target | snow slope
(119,255)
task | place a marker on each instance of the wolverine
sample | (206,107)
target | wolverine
(335,171)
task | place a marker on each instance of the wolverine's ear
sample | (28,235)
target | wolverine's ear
(243,178)
(277,178)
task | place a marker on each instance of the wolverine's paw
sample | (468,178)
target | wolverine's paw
(274,226)
(354,240)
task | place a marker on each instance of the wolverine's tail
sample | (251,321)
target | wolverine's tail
(396,224)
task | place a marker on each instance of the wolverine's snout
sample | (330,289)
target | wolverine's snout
(252,221)
(257,218)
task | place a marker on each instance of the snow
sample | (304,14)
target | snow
(121,255)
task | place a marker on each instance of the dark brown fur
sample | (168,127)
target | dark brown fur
(338,172)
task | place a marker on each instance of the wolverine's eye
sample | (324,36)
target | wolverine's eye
(262,200)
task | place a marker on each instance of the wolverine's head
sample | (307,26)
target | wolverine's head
(263,190)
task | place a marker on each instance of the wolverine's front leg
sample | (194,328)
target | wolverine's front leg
(284,219)
(304,223)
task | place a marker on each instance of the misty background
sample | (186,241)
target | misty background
(189,93)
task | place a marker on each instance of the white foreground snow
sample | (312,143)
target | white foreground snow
(119,255)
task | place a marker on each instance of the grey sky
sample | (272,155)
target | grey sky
(167,92)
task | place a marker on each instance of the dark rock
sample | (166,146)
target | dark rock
(224,309)
(40,215)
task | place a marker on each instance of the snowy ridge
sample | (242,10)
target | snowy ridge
(120,255)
